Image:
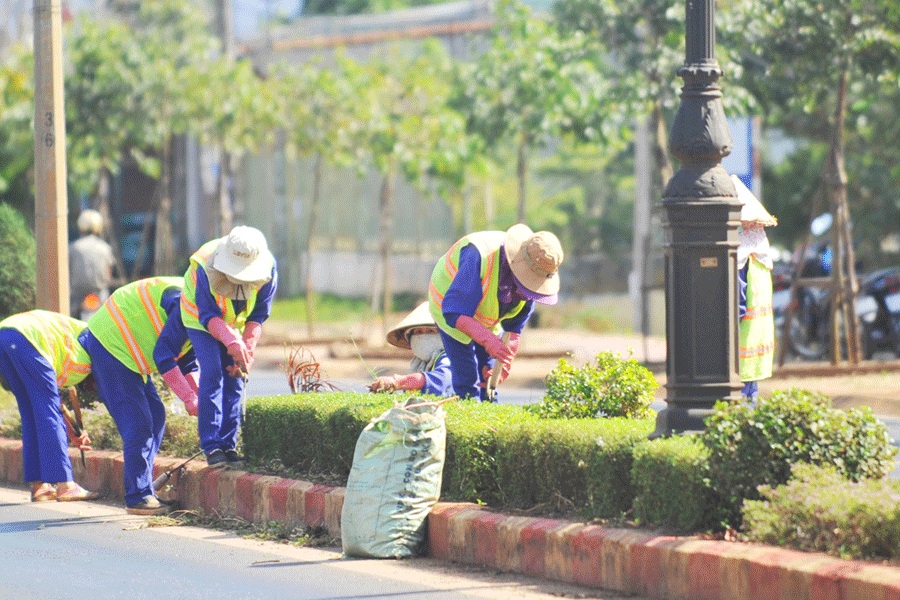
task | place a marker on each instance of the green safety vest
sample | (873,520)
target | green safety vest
(55,336)
(129,323)
(190,314)
(487,313)
(757,326)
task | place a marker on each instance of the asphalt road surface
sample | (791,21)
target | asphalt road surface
(92,550)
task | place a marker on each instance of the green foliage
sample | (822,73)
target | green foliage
(311,432)
(576,465)
(471,466)
(17,265)
(752,447)
(818,510)
(670,484)
(608,387)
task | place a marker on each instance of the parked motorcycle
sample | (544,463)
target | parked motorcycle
(809,334)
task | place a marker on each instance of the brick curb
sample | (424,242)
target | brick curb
(622,560)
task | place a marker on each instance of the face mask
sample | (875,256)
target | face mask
(426,345)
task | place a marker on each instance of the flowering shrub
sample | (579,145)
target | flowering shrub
(608,387)
(818,510)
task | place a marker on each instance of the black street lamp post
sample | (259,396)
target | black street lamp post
(702,214)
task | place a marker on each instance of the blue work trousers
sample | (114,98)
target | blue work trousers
(219,395)
(140,416)
(467,362)
(32,380)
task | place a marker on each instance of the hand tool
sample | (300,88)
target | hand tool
(163,479)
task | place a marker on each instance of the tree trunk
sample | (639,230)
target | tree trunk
(164,251)
(522,172)
(111,231)
(226,215)
(311,229)
(661,154)
(387,242)
(836,180)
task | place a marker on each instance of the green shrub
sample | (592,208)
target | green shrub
(17,263)
(312,432)
(818,510)
(670,484)
(570,465)
(472,465)
(608,387)
(752,447)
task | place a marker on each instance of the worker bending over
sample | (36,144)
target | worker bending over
(39,354)
(137,332)
(228,293)
(486,284)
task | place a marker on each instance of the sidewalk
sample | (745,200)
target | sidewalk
(640,562)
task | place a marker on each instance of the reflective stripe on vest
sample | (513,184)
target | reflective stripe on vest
(488,244)
(757,327)
(190,313)
(55,336)
(130,322)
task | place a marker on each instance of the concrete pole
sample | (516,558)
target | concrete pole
(50,203)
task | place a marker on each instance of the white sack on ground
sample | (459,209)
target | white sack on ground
(394,482)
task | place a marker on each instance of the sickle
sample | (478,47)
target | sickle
(76,407)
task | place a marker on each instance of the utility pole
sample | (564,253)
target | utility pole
(50,203)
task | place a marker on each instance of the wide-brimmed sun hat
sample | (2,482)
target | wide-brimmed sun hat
(534,259)
(419,317)
(243,255)
(752,210)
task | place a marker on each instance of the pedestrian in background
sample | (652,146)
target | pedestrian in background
(138,331)
(228,293)
(486,284)
(429,369)
(91,266)
(757,321)
(39,354)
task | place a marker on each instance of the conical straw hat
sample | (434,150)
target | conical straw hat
(752,210)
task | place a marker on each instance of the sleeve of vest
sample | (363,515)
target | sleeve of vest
(464,294)
(264,298)
(203,296)
(171,340)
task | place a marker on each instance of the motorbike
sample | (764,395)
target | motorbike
(809,335)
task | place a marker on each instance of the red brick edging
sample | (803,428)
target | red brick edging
(627,561)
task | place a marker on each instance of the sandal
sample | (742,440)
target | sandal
(44,494)
(74,495)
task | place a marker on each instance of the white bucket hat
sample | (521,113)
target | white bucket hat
(534,258)
(419,317)
(243,255)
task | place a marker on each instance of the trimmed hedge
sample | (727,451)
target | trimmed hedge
(497,454)
(671,489)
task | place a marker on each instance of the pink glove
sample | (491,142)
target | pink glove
(513,349)
(179,384)
(484,337)
(252,333)
(411,382)
(193,379)
(228,335)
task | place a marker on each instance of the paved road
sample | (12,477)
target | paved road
(267,382)
(90,550)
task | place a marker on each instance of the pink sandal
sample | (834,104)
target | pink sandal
(79,493)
